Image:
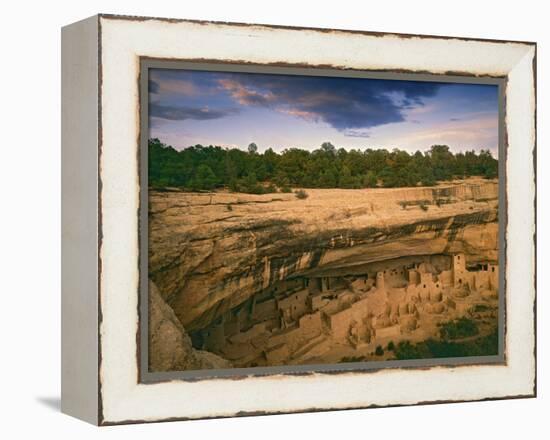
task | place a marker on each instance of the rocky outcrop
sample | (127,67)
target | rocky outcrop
(170,347)
(211,252)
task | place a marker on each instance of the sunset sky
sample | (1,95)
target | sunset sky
(281,111)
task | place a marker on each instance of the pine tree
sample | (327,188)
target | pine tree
(204,178)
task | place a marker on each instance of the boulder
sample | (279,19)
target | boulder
(170,347)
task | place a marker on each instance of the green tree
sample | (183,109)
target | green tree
(442,162)
(252,148)
(201,167)
(327,147)
(204,179)
(270,162)
(370,180)
(328,178)
(346,180)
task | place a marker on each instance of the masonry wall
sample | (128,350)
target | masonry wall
(310,325)
(340,322)
(318,302)
(296,303)
(265,310)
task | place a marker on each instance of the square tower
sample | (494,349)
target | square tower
(459,269)
(380,282)
(414,277)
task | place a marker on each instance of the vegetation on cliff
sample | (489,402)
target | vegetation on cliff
(432,348)
(457,329)
(206,168)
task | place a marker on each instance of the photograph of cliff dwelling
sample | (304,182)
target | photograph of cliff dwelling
(309,220)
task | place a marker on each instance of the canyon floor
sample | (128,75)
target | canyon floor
(252,280)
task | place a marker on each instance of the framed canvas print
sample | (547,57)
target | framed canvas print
(263,220)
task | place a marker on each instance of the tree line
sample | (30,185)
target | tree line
(200,167)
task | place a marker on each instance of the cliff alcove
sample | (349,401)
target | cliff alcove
(216,268)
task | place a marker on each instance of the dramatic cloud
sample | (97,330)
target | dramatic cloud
(247,96)
(193,106)
(180,113)
(350,105)
(347,104)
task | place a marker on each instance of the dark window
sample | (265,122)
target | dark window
(493,269)
(424,286)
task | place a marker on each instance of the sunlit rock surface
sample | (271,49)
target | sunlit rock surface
(211,252)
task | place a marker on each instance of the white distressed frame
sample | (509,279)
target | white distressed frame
(122,41)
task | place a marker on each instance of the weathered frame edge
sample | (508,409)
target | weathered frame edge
(80,221)
(101,420)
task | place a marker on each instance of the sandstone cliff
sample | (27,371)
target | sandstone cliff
(211,252)
(170,347)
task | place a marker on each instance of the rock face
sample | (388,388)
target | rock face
(211,252)
(170,347)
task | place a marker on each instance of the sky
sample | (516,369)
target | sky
(189,107)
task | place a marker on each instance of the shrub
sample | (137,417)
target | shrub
(423,207)
(483,346)
(406,350)
(253,189)
(234,185)
(370,180)
(391,346)
(286,189)
(229,207)
(301,194)
(459,328)
(379,351)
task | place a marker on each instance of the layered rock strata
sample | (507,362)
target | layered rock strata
(211,252)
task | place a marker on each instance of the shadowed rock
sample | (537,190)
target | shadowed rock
(207,259)
(170,347)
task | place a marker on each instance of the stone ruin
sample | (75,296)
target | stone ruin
(304,319)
